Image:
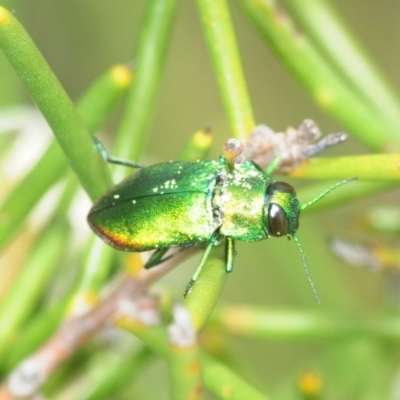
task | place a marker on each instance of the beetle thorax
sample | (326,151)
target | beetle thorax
(241,202)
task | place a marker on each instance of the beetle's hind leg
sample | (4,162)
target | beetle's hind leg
(114,160)
(158,257)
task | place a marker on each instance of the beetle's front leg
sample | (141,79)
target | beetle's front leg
(229,257)
(211,244)
(113,160)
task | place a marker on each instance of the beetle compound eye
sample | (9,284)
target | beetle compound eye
(277,220)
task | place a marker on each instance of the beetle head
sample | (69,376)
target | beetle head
(281,210)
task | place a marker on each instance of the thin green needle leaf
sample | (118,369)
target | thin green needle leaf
(29,285)
(372,167)
(328,89)
(94,107)
(220,36)
(300,325)
(224,383)
(95,266)
(198,146)
(54,104)
(149,59)
(108,382)
(326,28)
(218,378)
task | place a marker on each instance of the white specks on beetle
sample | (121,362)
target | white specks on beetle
(170,184)
(116,196)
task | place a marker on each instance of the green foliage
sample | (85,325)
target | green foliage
(57,295)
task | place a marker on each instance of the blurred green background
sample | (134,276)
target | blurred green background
(81,39)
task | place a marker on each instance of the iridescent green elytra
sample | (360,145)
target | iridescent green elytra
(180,204)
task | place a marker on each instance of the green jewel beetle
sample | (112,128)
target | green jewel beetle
(182,204)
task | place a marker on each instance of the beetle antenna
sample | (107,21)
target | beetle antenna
(273,166)
(310,281)
(325,192)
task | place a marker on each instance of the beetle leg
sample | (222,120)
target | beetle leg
(157,258)
(191,283)
(113,160)
(229,253)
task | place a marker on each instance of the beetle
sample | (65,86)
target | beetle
(182,204)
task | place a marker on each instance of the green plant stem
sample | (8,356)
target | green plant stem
(149,59)
(226,384)
(55,105)
(24,196)
(11,92)
(198,146)
(327,29)
(185,372)
(95,268)
(99,100)
(352,192)
(94,107)
(327,89)
(372,167)
(220,37)
(218,378)
(36,332)
(301,325)
(107,382)
(30,284)
(28,287)
(205,293)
